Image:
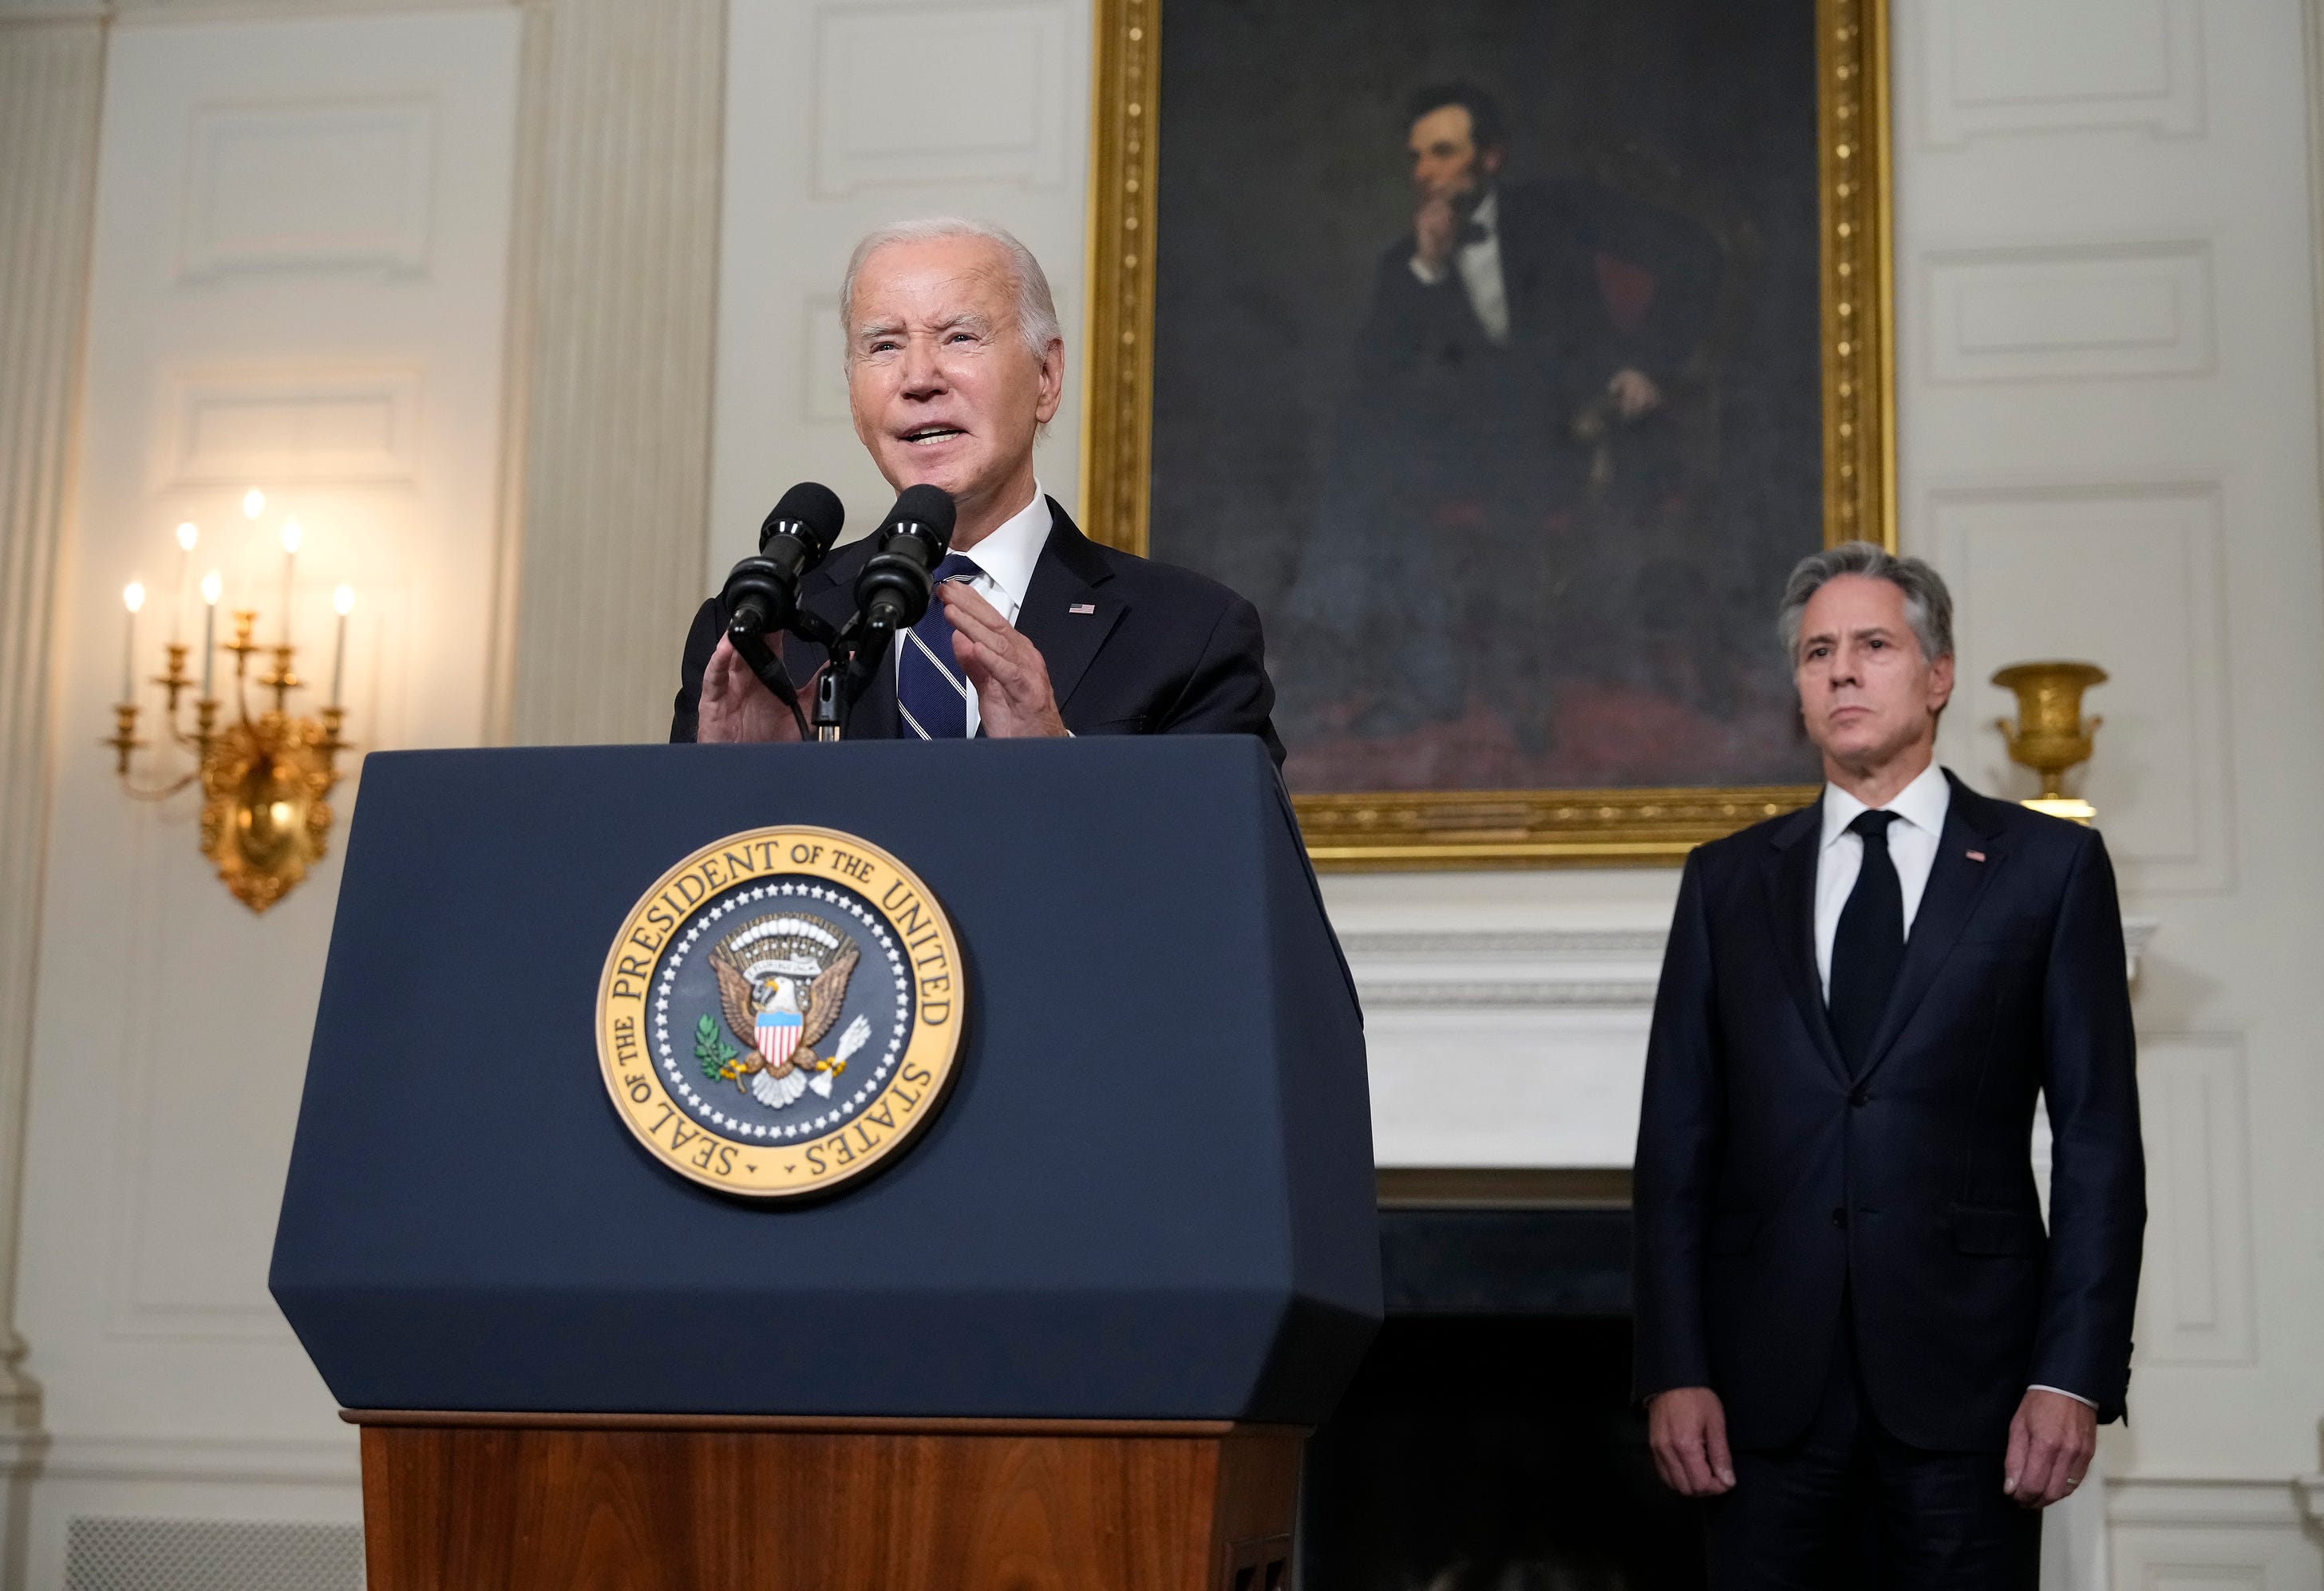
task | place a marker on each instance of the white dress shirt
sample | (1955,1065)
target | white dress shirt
(1920,808)
(1007,556)
(1480,264)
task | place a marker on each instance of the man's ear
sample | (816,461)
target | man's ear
(1941,684)
(1489,161)
(1053,381)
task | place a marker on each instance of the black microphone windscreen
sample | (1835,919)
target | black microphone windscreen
(931,506)
(816,508)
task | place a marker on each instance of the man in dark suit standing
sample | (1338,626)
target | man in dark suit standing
(1854,1335)
(954,363)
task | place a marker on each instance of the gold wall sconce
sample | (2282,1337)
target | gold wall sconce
(265,776)
(2051,735)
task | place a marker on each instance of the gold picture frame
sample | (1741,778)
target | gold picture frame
(1509,828)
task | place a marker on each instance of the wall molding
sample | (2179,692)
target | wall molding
(2200,857)
(2080,311)
(1014,132)
(308,424)
(249,209)
(1956,107)
(2199,1301)
(1609,967)
(2209,1530)
(2270,1501)
(214,1460)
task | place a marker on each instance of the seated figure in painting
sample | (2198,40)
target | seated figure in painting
(1508,432)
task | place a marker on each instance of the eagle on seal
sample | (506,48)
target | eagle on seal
(779,1023)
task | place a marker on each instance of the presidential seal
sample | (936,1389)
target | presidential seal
(781,1013)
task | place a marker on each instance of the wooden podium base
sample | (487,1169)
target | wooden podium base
(458,1501)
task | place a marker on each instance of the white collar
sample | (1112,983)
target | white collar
(1922,804)
(1488,214)
(1008,556)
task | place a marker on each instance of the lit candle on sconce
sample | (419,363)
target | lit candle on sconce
(254,504)
(343,600)
(213,588)
(291,539)
(187,534)
(132,597)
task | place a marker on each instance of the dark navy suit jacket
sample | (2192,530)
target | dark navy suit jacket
(1779,1202)
(1160,650)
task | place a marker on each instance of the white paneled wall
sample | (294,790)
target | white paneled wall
(2109,368)
(299,268)
(842,115)
(2110,444)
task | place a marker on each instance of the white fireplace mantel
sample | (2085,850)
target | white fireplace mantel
(1513,1047)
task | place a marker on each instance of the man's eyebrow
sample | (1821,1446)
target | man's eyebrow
(1826,637)
(967,320)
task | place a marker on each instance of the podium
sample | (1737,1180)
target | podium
(1071,1335)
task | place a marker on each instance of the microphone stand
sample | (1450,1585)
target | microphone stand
(855,651)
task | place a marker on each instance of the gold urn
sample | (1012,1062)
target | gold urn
(2051,735)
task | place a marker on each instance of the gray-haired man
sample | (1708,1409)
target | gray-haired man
(954,363)
(1854,1333)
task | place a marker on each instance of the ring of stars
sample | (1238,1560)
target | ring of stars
(840,1111)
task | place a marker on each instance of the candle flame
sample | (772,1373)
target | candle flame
(133,597)
(290,535)
(189,533)
(343,600)
(212,588)
(253,503)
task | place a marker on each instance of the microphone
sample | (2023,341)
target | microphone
(762,593)
(892,592)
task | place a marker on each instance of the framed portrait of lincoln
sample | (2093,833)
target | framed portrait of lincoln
(1506,353)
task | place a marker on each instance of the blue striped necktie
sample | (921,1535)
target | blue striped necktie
(931,695)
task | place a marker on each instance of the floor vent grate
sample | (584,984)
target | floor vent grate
(113,1554)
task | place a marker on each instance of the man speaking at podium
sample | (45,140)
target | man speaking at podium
(954,363)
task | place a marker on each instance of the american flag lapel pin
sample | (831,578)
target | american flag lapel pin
(1976,856)
(1092,608)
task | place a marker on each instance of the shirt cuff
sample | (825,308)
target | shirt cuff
(2062,1392)
(1429,275)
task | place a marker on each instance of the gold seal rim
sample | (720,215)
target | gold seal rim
(934,1049)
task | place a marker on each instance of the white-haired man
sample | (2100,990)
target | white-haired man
(954,361)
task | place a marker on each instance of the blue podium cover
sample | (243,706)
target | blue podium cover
(1149,1195)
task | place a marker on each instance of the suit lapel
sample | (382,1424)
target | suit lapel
(1791,900)
(1069,574)
(1956,884)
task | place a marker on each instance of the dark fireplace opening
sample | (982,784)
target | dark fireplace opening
(1488,1443)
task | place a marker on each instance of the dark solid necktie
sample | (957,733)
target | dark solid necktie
(930,691)
(1869,945)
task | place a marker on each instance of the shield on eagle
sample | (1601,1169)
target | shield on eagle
(779,1033)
